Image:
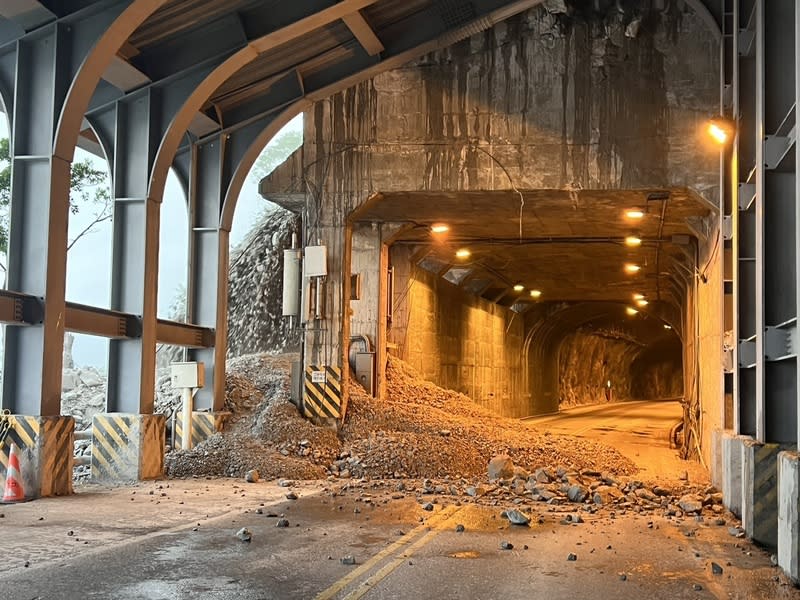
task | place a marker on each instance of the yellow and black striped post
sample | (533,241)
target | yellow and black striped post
(45,447)
(322,392)
(127,447)
(204,425)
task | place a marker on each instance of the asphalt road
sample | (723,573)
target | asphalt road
(638,429)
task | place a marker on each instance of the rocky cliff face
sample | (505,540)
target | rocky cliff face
(255,321)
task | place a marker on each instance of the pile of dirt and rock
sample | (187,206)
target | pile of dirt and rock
(264,432)
(419,431)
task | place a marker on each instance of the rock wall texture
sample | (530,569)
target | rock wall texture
(255,319)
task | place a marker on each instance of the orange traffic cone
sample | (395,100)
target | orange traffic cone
(13,491)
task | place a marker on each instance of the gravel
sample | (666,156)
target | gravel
(399,437)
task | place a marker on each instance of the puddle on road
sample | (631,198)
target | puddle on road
(465,554)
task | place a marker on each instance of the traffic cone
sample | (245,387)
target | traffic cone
(13,491)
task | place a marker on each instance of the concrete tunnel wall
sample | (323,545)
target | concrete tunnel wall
(458,340)
(557,102)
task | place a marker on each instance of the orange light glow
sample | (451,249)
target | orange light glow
(518,287)
(463,253)
(642,303)
(536,294)
(634,214)
(633,240)
(631,268)
(631,311)
(638,297)
(440,228)
(717,133)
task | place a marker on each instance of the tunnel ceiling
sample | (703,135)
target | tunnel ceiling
(571,245)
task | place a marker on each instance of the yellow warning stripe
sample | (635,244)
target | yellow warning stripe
(321,399)
(23,432)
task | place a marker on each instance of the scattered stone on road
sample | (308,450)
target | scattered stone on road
(348,560)
(716,569)
(572,557)
(504,545)
(282,523)
(244,534)
(517,518)
(251,476)
(501,467)
(459,528)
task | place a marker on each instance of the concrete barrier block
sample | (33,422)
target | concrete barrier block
(789,514)
(760,491)
(732,471)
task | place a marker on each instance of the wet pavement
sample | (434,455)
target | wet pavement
(127,544)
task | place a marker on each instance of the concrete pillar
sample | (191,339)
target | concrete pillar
(45,447)
(128,447)
(717,462)
(760,491)
(789,514)
(732,471)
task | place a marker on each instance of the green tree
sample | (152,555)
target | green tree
(89,189)
(277,151)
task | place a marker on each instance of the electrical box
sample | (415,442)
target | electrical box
(316,261)
(187,374)
(291,282)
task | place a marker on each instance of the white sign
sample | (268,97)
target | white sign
(317,376)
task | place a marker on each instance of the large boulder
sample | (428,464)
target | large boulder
(501,467)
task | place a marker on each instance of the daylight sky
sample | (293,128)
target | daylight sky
(89,260)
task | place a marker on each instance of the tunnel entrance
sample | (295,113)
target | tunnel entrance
(531,302)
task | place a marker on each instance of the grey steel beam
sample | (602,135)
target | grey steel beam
(141,119)
(760,433)
(779,214)
(797,200)
(207,300)
(46,63)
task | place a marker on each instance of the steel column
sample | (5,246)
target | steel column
(778,214)
(207,291)
(797,198)
(134,280)
(38,221)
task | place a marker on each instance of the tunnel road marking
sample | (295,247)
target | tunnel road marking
(370,582)
(414,539)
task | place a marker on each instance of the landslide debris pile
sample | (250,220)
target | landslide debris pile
(419,431)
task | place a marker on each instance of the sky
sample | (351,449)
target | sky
(89,260)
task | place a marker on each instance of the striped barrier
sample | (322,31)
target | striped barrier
(22,431)
(45,453)
(322,392)
(56,455)
(760,497)
(204,425)
(127,447)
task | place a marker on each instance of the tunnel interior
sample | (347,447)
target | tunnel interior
(532,301)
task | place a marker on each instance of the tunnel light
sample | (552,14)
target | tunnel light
(638,297)
(463,253)
(536,294)
(642,303)
(635,214)
(633,240)
(518,287)
(667,326)
(630,311)
(720,130)
(440,228)
(631,268)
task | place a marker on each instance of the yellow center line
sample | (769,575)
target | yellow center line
(405,541)
(370,582)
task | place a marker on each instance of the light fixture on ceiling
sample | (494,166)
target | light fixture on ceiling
(720,130)
(518,287)
(634,213)
(642,303)
(632,269)
(463,253)
(633,241)
(536,294)
(638,297)
(667,326)
(630,311)
(440,228)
